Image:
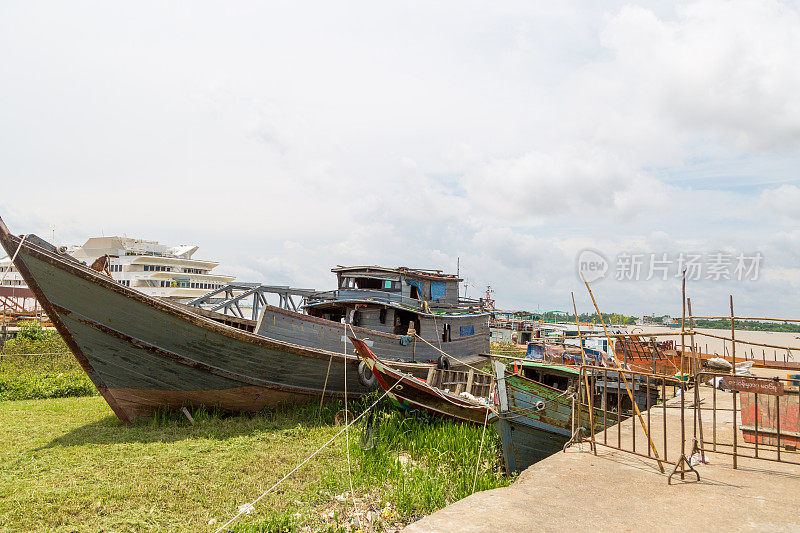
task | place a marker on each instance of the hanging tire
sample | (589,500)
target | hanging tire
(443,363)
(365,376)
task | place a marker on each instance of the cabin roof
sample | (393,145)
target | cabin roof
(560,368)
(436,275)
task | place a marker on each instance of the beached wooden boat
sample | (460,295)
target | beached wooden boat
(536,414)
(144,353)
(407,312)
(410,392)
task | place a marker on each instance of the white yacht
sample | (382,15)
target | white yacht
(152,268)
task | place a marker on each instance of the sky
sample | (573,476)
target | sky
(505,139)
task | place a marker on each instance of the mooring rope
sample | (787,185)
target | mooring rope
(476,369)
(249,506)
(519,412)
(5,272)
(325,386)
(480,449)
(346,412)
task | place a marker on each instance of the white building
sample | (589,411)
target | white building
(147,266)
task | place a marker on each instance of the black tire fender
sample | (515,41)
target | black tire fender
(365,376)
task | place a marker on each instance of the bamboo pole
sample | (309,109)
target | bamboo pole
(589,398)
(683,360)
(693,370)
(625,381)
(733,372)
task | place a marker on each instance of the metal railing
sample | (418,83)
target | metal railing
(628,401)
(392,297)
(751,417)
(744,417)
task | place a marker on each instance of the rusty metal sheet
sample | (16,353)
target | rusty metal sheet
(754,385)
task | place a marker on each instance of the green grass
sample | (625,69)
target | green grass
(41,367)
(68,464)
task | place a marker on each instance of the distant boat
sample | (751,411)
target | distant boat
(144,353)
(412,393)
(147,266)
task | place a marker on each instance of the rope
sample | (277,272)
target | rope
(436,329)
(476,369)
(527,410)
(5,272)
(347,432)
(32,354)
(480,449)
(325,386)
(247,507)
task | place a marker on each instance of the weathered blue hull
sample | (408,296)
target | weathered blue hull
(525,444)
(535,420)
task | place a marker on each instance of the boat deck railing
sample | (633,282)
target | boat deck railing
(396,298)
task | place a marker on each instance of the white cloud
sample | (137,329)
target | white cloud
(783,200)
(285,139)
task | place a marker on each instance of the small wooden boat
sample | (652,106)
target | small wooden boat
(410,392)
(144,353)
(538,410)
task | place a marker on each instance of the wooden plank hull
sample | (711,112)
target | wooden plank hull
(143,353)
(524,445)
(318,333)
(536,421)
(413,393)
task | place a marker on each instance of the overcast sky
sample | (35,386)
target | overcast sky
(284,138)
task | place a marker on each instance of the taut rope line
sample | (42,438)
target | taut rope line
(249,506)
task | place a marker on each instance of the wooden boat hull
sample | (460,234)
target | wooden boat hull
(321,334)
(535,420)
(413,393)
(143,353)
(524,445)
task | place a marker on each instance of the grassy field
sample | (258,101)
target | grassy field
(68,464)
(37,365)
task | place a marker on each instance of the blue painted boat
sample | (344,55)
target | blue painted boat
(535,418)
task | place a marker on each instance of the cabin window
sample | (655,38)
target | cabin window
(404,320)
(446,333)
(382,316)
